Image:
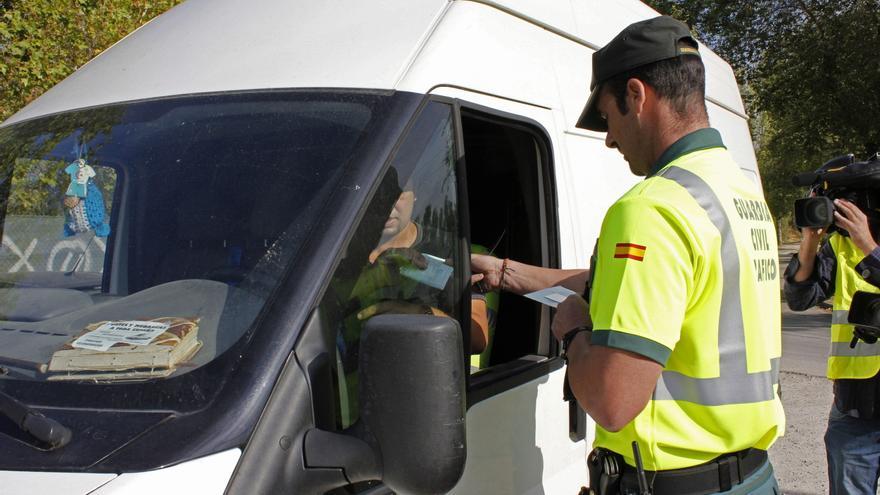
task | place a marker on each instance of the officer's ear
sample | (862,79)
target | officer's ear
(636,95)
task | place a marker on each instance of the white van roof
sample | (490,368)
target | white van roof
(205,46)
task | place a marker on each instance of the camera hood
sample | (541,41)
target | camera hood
(845,172)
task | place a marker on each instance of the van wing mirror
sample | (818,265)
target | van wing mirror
(412,400)
(411,431)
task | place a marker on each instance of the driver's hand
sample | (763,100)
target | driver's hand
(398,307)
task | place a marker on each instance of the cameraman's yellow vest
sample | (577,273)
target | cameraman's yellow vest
(844,362)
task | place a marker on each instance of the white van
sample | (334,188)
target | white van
(228,178)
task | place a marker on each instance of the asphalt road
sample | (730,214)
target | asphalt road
(799,456)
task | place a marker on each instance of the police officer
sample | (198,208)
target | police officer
(843,265)
(680,360)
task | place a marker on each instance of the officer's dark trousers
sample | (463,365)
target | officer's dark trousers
(763,482)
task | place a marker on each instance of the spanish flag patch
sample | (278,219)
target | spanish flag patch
(631,251)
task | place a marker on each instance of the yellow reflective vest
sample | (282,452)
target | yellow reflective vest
(863,361)
(687,274)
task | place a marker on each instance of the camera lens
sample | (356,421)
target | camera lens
(813,212)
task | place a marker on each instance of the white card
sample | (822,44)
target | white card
(435,275)
(556,297)
(552,296)
(129,332)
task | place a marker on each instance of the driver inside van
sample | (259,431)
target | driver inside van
(407,272)
(395,264)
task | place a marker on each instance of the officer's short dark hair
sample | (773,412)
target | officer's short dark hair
(679,80)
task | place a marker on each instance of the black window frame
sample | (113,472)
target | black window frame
(506,376)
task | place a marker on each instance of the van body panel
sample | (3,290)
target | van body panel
(736,136)
(513,448)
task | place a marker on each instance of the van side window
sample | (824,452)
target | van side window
(57,220)
(511,213)
(403,257)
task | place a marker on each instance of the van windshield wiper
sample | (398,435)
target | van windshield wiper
(46,430)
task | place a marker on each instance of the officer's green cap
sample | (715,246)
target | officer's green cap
(640,43)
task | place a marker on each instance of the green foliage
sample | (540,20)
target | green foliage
(43,41)
(810,75)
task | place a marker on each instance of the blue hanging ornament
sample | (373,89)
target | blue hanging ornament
(84,203)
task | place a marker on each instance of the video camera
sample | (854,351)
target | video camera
(838,178)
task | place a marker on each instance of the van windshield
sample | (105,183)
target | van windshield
(140,241)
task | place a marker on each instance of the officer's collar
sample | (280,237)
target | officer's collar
(701,139)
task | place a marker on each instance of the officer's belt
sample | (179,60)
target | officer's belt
(718,475)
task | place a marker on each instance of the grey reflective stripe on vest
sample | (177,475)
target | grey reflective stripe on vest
(839,317)
(735,385)
(862,349)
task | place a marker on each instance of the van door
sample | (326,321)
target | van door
(521,436)
(466,174)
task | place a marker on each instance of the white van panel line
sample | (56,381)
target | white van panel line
(476,46)
(32,483)
(421,44)
(561,24)
(205,476)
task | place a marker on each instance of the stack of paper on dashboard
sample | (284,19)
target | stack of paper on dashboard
(127,349)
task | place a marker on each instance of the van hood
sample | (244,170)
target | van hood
(27,482)
(207,475)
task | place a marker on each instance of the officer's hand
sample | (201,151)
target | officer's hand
(486,272)
(571,313)
(398,307)
(852,219)
(401,257)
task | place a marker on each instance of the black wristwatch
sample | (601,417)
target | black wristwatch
(571,334)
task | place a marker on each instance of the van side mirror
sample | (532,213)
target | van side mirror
(412,400)
(411,432)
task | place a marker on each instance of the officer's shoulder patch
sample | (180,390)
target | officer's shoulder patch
(630,250)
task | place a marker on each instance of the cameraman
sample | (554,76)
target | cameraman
(843,265)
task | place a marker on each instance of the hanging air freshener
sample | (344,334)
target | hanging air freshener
(84,204)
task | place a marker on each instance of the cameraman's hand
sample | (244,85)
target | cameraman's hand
(852,219)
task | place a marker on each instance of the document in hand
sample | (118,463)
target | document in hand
(552,296)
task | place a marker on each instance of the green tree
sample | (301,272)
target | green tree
(809,76)
(44,41)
